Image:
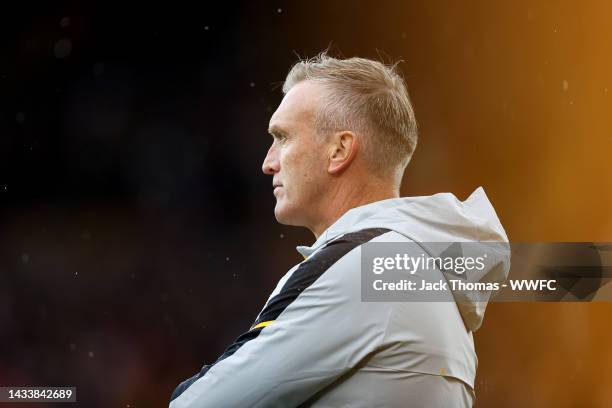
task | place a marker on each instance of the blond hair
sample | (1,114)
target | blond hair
(368,98)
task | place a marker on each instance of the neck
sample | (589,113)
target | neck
(346,198)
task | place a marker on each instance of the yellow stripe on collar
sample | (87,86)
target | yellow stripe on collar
(262,324)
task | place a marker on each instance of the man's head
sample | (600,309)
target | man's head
(344,133)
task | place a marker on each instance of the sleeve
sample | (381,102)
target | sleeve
(309,334)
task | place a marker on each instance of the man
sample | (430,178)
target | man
(342,137)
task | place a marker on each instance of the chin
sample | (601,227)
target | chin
(284,215)
(281,215)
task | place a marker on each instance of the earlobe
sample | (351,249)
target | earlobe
(344,147)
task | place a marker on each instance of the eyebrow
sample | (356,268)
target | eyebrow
(276,130)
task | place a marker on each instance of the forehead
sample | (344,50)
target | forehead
(298,106)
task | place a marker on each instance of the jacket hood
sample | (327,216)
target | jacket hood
(439,218)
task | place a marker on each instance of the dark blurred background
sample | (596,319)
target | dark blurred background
(137,236)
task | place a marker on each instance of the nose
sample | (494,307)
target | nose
(271,164)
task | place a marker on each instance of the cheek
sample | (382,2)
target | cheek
(291,164)
(306,177)
(302,169)
(296,167)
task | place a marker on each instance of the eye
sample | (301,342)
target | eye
(280,137)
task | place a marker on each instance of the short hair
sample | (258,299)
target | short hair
(368,98)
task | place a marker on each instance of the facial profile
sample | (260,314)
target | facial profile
(297,159)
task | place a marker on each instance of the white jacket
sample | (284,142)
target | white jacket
(316,343)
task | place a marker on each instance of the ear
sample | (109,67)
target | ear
(343,149)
